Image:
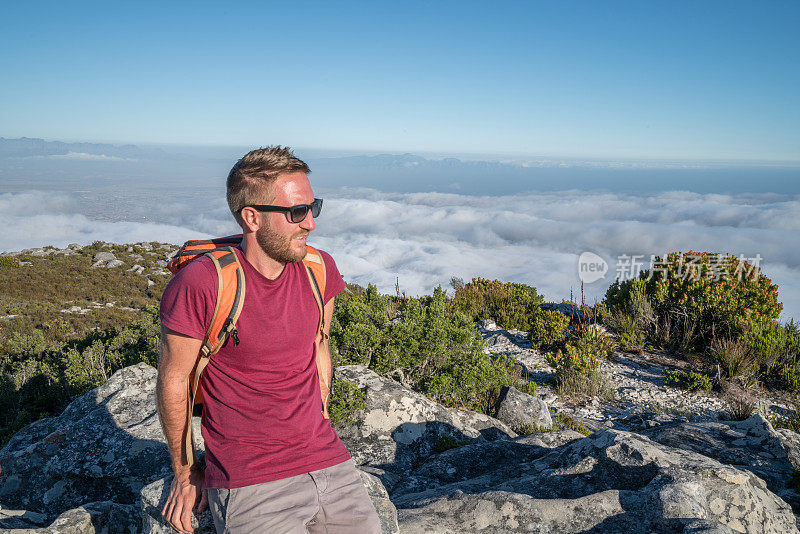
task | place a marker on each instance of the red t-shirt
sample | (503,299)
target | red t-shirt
(262,413)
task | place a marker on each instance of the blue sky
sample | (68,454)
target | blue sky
(628,80)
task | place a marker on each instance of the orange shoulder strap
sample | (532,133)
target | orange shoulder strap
(315,268)
(228,307)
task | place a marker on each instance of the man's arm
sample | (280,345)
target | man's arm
(178,357)
(324,366)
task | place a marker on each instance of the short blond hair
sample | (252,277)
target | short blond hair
(250,178)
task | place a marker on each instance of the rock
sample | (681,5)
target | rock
(472,461)
(137,269)
(114,263)
(19,519)
(104,256)
(74,246)
(609,482)
(402,427)
(383,505)
(704,526)
(517,409)
(106,446)
(570,310)
(751,445)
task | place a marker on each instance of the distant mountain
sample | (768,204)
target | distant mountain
(23,147)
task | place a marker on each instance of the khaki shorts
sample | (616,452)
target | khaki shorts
(331,500)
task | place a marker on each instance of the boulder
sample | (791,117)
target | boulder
(401,427)
(517,409)
(567,308)
(751,445)
(114,263)
(611,481)
(104,256)
(106,446)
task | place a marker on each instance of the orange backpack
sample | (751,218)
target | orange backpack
(230,299)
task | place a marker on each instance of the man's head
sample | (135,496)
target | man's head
(252,177)
(272,176)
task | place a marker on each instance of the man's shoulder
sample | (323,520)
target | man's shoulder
(198,272)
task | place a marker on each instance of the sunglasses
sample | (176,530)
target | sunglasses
(294,214)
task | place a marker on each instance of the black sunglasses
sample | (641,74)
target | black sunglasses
(294,214)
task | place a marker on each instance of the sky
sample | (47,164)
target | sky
(680,80)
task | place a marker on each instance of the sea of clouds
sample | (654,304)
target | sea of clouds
(420,240)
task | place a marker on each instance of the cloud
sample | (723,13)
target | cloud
(423,239)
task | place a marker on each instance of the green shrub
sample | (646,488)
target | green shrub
(717,294)
(690,381)
(510,305)
(736,359)
(445,442)
(426,343)
(9,262)
(346,404)
(567,422)
(632,318)
(548,329)
(572,359)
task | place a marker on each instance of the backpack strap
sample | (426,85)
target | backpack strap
(228,307)
(317,277)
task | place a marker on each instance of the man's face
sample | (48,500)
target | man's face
(280,239)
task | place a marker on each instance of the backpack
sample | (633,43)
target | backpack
(230,299)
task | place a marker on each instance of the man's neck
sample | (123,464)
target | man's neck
(262,263)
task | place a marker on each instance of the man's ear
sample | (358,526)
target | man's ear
(251,220)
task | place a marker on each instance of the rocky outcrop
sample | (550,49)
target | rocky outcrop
(401,427)
(611,481)
(752,445)
(101,466)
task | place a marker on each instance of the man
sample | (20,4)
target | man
(273,462)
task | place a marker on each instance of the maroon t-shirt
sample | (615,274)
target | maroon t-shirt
(262,413)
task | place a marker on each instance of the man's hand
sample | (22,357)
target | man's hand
(185,492)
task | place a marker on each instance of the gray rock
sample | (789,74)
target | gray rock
(383,505)
(74,246)
(104,256)
(105,446)
(517,409)
(752,445)
(704,526)
(609,482)
(137,269)
(402,427)
(570,310)
(91,518)
(114,263)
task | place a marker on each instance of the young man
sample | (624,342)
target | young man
(273,462)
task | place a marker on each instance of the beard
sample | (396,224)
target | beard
(279,246)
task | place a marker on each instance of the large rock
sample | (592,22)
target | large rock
(752,445)
(106,446)
(402,427)
(517,409)
(611,481)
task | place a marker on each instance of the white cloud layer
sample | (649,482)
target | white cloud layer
(423,239)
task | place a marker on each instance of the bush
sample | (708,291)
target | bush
(346,404)
(510,305)
(632,318)
(690,381)
(736,360)
(548,329)
(717,294)
(426,343)
(9,262)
